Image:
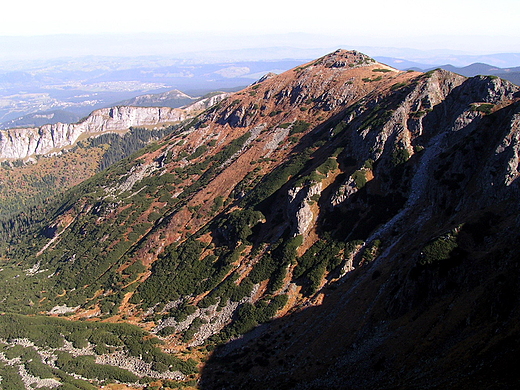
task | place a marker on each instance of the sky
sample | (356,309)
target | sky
(475,26)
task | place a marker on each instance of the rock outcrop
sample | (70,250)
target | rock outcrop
(206,102)
(24,142)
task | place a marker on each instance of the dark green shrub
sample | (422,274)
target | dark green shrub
(360,178)
(486,108)
(372,251)
(400,156)
(166,331)
(237,226)
(369,80)
(154,216)
(330,164)
(369,164)
(439,249)
(397,86)
(198,152)
(207,301)
(299,126)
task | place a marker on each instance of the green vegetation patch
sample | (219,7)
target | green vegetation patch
(370,80)
(331,164)
(324,256)
(277,178)
(485,108)
(299,126)
(439,249)
(377,118)
(400,156)
(419,114)
(85,366)
(50,334)
(397,86)
(360,178)
(250,315)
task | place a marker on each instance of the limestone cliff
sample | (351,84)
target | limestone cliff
(24,142)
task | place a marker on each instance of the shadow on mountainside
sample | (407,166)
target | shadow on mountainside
(390,325)
(403,323)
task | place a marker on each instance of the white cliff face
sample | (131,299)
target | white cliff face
(25,142)
(205,103)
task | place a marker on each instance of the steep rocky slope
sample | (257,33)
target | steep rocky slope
(365,217)
(432,302)
(24,142)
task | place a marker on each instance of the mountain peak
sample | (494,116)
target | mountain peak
(329,83)
(343,58)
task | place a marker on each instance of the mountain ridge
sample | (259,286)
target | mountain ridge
(41,118)
(21,143)
(471,70)
(173,98)
(332,215)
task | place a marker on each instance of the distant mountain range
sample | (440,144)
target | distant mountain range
(81,85)
(173,99)
(478,68)
(399,58)
(511,74)
(64,90)
(38,119)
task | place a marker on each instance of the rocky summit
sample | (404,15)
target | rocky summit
(341,225)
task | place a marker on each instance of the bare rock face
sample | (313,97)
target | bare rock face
(25,142)
(299,209)
(347,58)
(207,102)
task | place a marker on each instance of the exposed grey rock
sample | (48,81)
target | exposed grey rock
(137,366)
(24,142)
(204,103)
(299,208)
(277,136)
(63,309)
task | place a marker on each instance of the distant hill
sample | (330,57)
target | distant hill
(511,74)
(402,64)
(500,60)
(38,119)
(173,99)
(478,68)
(472,70)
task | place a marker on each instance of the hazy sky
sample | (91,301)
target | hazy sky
(471,25)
